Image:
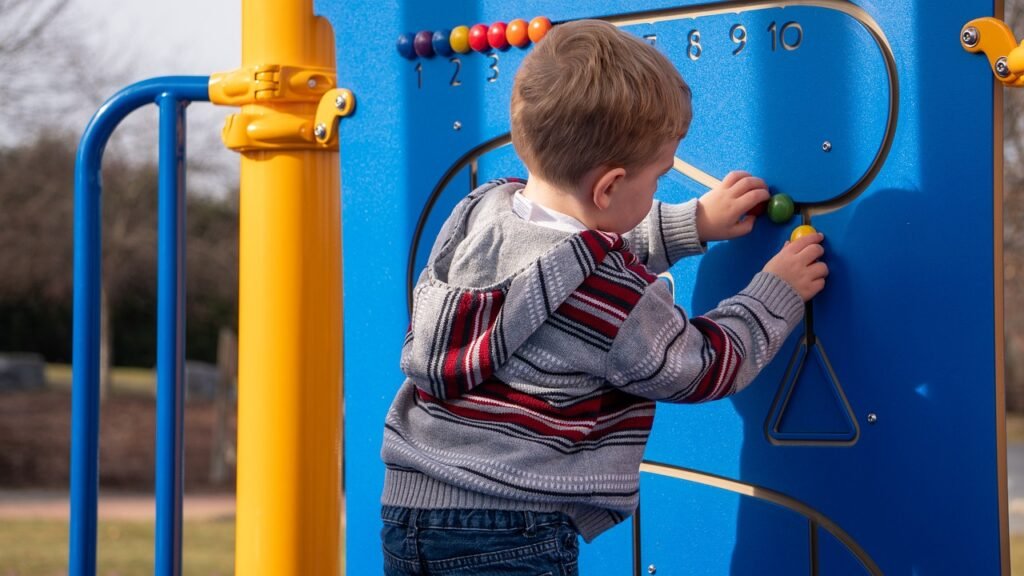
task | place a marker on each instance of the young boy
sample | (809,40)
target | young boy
(540,338)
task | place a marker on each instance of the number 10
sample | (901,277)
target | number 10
(779,35)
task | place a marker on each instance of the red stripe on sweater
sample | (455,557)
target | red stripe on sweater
(597,244)
(621,291)
(496,299)
(463,348)
(722,373)
(456,343)
(589,320)
(637,267)
(541,427)
(608,402)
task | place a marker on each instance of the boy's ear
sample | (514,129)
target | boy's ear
(604,186)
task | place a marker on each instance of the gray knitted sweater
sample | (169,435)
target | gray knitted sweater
(534,358)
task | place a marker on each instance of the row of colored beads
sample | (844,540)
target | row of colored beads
(480,38)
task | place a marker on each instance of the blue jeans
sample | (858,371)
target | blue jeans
(478,543)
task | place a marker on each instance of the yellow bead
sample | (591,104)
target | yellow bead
(460,39)
(801,231)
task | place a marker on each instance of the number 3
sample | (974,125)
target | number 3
(493,67)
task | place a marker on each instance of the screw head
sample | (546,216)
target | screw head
(970,37)
(320,131)
(872,418)
(311,82)
(652,569)
(1002,69)
(826,146)
(457,126)
(341,101)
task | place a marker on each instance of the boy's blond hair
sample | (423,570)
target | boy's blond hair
(591,95)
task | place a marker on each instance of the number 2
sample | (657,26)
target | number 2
(455,76)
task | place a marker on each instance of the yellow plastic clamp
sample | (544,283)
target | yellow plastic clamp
(334,105)
(993,37)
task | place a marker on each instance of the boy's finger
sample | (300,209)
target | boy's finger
(798,245)
(751,183)
(734,177)
(751,198)
(746,184)
(819,270)
(744,226)
(812,253)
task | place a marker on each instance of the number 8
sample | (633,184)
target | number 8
(695,49)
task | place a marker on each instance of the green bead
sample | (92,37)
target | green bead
(780,208)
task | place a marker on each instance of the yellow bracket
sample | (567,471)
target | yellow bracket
(277,107)
(270,83)
(334,105)
(993,37)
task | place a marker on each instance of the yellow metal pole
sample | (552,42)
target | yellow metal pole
(289,431)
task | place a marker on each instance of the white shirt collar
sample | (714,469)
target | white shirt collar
(543,216)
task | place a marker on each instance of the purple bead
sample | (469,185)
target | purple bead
(405,47)
(423,43)
(442,44)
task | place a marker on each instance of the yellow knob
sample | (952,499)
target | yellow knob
(801,231)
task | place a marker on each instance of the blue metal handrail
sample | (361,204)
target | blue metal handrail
(172,94)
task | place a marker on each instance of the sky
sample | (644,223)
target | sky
(145,38)
(168,37)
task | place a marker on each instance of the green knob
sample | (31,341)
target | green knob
(780,208)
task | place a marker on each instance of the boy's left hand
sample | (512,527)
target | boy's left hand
(722,211)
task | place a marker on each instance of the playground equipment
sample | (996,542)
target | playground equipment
(885,454)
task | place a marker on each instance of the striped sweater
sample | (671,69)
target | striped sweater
(535,356)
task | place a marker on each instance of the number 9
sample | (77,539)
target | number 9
(738,33)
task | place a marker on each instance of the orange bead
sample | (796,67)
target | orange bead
(801,231)
(518,33)
(539,27)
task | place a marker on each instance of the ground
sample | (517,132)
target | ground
(35,442)
(34,473)
(34,464)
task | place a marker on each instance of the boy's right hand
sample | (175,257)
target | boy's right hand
(797,263)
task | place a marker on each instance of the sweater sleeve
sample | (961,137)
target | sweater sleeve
(661,354)
(667,234)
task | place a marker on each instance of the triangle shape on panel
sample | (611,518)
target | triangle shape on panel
(810,406)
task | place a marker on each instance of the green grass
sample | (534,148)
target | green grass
(125,548)
(125,381)
(1015,428)
(1017,554)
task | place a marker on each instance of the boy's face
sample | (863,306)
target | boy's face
(634,193)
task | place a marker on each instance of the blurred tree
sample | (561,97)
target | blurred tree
(1013,225)
(36,253)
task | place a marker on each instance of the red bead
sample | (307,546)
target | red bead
(496,36)
(478,38)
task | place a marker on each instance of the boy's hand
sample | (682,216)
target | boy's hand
(797,263)
(722,211)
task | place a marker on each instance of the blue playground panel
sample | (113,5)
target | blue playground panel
(872,117)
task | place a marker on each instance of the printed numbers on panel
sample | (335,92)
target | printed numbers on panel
(493,67)
(788,41)
(694,50)
(738,34)
(455,75)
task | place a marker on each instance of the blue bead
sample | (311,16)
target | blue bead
(442,45)
(405,46)
(421,44)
